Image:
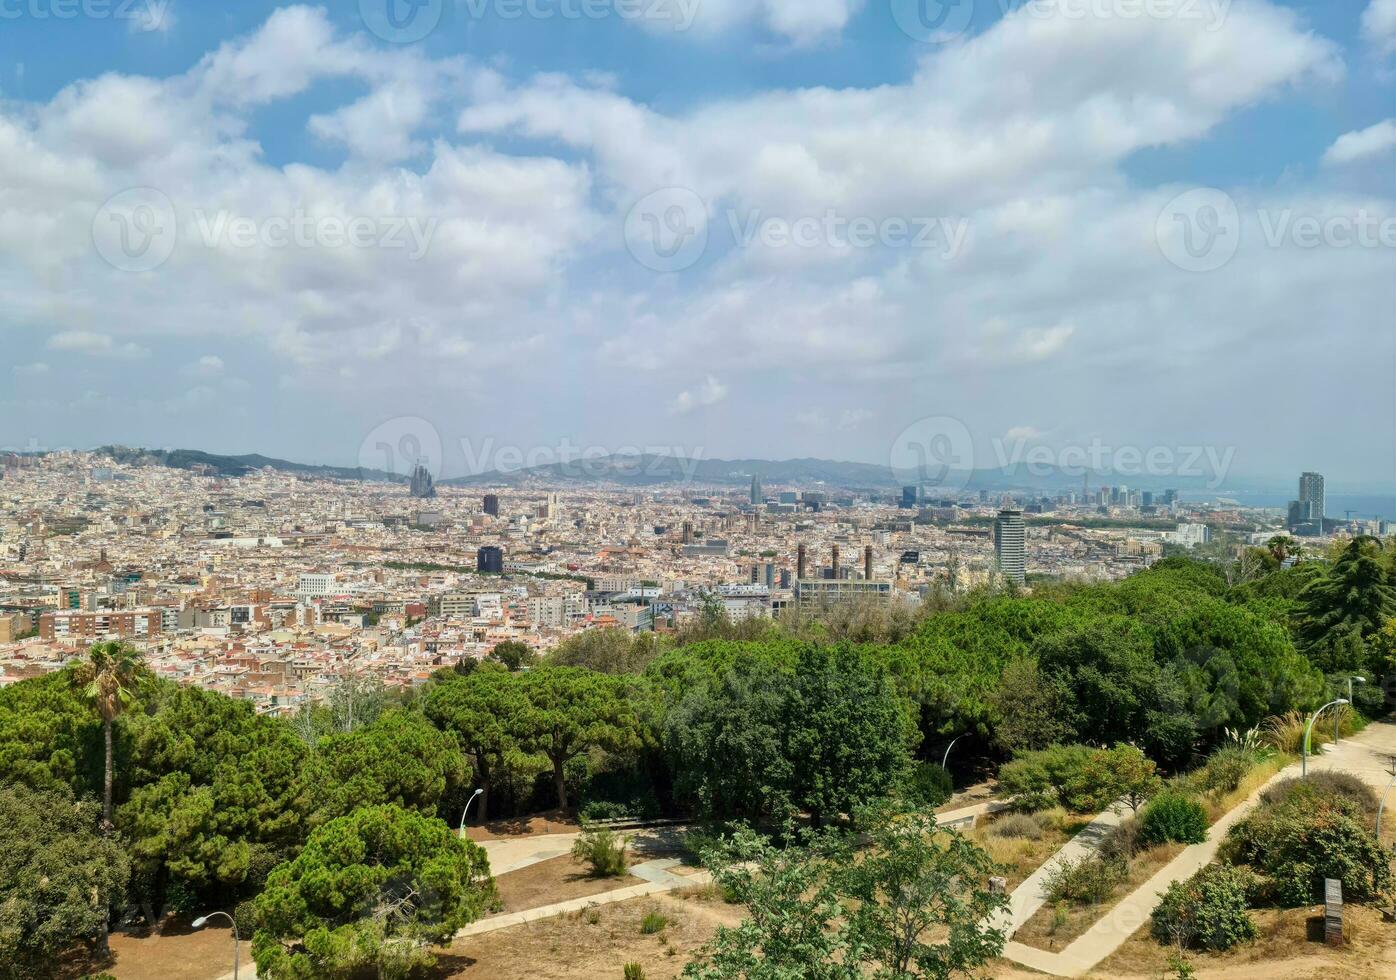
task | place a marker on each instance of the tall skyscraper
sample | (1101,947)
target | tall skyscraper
(1311,502)
(492,504)
(756,496)
(1010,545)
(490,559)
(908,498)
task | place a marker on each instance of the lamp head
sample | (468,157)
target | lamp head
(1360,680)
(1341,701)
(200,922)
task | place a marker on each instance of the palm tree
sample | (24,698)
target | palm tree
(108,679)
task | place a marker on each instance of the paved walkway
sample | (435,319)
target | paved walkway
(1365,755)
(1031,895)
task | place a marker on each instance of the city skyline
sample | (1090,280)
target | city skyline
(1041,286)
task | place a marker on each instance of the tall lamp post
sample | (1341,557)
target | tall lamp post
(467,809)
(1308,731)
(1338,715)
(946,759)
(1382,805)
(202,921)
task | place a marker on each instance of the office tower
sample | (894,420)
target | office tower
(1311,502)
(755,521)
(1295,516)
(1170,497)
(908,498)
(552,507)
(1010,541)
(492,504)
(756,497)
(867,562)
(489,559)
(785,578)
(687,532)
(834,564)
(800,562)
(423,488)
(1148,498)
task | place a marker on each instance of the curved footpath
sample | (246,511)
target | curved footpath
(1366,755)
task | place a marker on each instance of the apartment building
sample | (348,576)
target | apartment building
(100,625)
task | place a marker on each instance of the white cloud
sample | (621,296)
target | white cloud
(1379,25)
(94,345)
(36,370)
(710,392)
(1022,433)
(1362,144)
(208,366)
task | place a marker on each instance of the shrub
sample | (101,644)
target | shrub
(1080,778)
(1034,780)
(1015,825)
(929,785)
(1224,770)
(603,850)
(633,971)
(1091,880)
(1208,911)
(1305,831)
(1328,783)
(1122,841)
(1173,817)
(245,915)
(652,922)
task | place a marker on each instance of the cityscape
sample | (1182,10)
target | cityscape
(697,490)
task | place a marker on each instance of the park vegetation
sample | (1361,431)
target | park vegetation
(1087,695)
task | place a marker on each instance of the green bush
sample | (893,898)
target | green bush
(1173,817)
(1306,831)
(1089,881)
(633,971)
(1224,770)
(603,850)
(1208,911)
(1016,825)
(1327,783)
(652,922)
(1034,779)
(1080,778)
(929,785)
(1122,841)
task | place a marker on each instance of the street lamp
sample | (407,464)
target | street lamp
(1308,730)
(202,921)
(1337,716)
(467,809)
(948,748)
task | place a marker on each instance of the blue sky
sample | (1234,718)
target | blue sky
(1023,277)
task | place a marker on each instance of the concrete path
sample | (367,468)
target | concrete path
(1031,895)
(1365,755)
(657,879)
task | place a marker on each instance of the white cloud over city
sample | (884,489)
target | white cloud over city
(1014,145)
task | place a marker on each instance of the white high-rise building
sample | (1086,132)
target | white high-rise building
(1010,545)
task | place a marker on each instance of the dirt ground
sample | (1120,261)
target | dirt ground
(551,822)
(179,953)
(592,945)
(555,880)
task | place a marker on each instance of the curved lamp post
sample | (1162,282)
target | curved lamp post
(202,921)
(1338,716)
(946,759)
(1382,805)
(467,809)
(1308,731)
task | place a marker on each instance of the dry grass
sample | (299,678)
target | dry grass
(1285,950)
(555,880)
(1218,805)
(591,945)
(1053,927)
(1020,856)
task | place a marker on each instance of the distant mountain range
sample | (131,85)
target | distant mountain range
(188,459)
(651,470)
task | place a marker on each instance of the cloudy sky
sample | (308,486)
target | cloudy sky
(731,227)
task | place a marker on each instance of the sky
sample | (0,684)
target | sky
(1155,235)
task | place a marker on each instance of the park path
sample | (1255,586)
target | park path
(1365,755)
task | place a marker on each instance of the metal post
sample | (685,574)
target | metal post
(947,751)
(467,809)
(202,920)
(1308,731)
(1382,805)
